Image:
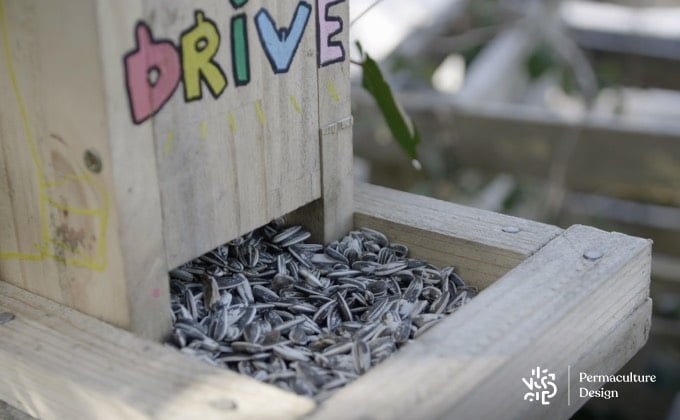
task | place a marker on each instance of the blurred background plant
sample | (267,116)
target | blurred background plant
(562,111)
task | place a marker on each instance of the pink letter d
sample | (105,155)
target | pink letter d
(152,73)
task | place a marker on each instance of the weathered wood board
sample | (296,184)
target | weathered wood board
(157,131)
(635,161)
(241,156)
(550,307)
(59,225)
(556,309)
(60,364)
(449,234)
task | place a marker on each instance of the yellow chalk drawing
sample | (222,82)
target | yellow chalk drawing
(54,244)
(260,113)
(296,105)
(204,130)
(169,144)
(330,87)
(232,123)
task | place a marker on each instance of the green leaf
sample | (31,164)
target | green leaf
(402,128)
(540,61)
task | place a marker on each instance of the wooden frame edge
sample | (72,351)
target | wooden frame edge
(58,363)
(482,244)
(555,309)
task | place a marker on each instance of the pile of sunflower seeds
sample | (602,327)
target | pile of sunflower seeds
(305,317)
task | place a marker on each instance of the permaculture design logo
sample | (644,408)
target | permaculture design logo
(541,386)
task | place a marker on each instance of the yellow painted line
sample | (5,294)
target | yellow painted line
(232,123)
(75,210)
(60,182)
(260,113)
(169,144)
(296,105)
(204,130)
(330,87)
(21,257)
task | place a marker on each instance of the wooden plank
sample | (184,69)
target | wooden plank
(330,217)
(630,212)
(231,162)
(662,223)
(60,364)
(642,159)
(639,30)
(444,233)
(641,164)
(335,122)
(60,228)
(138,201)
(198,174)
(554,310)
(638,70)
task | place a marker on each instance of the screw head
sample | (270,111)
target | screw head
(5,317)
(92,161)
(593,255)
(511,229)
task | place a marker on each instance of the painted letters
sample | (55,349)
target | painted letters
(155,67)
(280,44)
(199,46)
(152,73)
(330,51)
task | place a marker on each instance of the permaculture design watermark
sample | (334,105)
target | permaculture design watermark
(542,385)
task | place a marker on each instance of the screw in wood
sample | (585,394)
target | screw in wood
(592,255)
(92,161)
(511,229)
(5,317)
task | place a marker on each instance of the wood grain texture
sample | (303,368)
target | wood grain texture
(337,179)
(230,164)
(196,175)
(330,217)
(553,310)
(444,233)
(136,194)
(60,364)
(59,228)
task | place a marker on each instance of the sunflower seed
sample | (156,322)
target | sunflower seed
(298,335)
(253,333)
(302,316)
(289,353)
(246,347)
(287,233)
(361,355)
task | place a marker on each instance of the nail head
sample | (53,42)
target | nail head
(511,229)
(592,255)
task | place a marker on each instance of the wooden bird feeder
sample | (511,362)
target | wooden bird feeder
(139,134)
